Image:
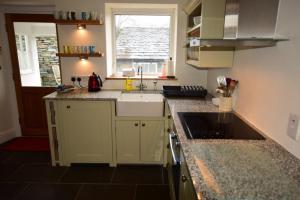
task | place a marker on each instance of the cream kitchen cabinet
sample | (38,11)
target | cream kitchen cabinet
(140,141)
(85,129)
(152,138)
(128,140)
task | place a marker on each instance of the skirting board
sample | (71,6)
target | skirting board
(7,135)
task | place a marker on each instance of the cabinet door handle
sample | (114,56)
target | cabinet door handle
(136,124)
(169,116)
(143,124)
(68,106)
(183,178)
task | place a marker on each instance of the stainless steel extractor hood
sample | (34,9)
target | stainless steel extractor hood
(248,23)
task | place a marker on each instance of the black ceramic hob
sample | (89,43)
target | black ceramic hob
(198,125)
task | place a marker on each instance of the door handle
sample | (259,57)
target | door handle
(68,106)
(172,148)
(143,124)
(136,124)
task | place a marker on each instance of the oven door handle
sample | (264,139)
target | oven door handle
(175,160)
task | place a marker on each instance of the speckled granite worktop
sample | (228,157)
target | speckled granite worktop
(83,94)
(239,169)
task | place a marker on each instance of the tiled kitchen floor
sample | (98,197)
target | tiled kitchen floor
(29,175)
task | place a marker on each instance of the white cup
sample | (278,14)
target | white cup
(94,15)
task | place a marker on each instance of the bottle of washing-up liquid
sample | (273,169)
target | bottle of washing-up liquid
(128,84)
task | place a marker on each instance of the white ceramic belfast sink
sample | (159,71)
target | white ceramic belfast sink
(140,105)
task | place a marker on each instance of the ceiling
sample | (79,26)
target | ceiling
(27,2)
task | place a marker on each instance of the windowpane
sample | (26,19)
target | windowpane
(37,47)
(142,41)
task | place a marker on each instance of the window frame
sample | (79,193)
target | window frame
(143,10)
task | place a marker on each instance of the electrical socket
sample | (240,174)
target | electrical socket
(293,124)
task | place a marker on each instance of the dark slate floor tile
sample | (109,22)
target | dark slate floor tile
(138,175)
(38,172)
(88,174)
(9,191)
(28,157)
(151,192)
(4,156)
(106,192)
(50,192)
(6,170)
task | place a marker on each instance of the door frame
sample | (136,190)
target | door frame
(10,18)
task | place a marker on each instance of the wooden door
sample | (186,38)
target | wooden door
(128,141)
(152,140)
(26,64)
(86,130)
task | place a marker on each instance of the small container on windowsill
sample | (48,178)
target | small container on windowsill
(225,104)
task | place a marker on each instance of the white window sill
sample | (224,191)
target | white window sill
(145,77)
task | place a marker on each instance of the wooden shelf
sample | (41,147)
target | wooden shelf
(79,55)
(75,22)
(194,28)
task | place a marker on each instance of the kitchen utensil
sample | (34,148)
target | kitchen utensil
(95,83)
(221,81)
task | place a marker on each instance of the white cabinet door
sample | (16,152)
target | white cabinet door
(128,141)
(152,138)
(86,131)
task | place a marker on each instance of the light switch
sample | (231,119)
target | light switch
(293,124)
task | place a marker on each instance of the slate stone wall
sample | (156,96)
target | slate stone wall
(47,49)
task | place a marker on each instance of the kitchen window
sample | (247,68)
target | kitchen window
(141,36)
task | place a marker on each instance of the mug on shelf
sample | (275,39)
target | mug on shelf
(84,15)
(94,15)
(73,15)
(66,49)
(57,14)
(92,49)
(64,15)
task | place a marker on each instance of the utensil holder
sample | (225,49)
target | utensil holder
(225,104)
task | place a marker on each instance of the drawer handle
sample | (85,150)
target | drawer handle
(183,178)
(143,124)
(136,124)
(68,107)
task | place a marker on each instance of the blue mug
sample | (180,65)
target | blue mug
(92,49)
(84,15)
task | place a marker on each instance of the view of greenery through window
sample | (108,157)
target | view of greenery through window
(142,41)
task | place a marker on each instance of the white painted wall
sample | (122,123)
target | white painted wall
(68,35)
(270,79)
(6,118)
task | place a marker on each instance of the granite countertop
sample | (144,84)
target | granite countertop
(239,169)
(83,94)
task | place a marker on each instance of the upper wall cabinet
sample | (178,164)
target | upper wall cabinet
(225,25)
(206,21)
